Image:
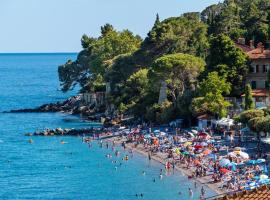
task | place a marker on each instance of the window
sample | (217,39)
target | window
(260,84)
(257,69)
(266,84)
(253,84)
(252,70)
(264,68)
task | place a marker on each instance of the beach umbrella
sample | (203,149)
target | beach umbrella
(263,176)
(197,162)
(177,151)
(187,143)
(237,149)
(212,156)
(207,151)
(162,134)
(148,136)
(259,161)
(204,144)
(190,134)
(232,154)
(224,162)
(202,134)
(198,146)
(224,170)
(251,162)
(244,155)
(182,140)
(185,153)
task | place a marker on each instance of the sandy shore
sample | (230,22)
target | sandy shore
(161,158)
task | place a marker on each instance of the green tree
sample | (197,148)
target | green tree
(96,56)
(185,34)
(249,19)
(249,102)
(211,98)
(179,71)
(229,61)
(247,115)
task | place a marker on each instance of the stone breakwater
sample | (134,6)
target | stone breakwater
(66,132)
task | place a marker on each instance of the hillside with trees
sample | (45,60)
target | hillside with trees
(194,55)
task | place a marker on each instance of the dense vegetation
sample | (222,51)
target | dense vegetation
(193,54)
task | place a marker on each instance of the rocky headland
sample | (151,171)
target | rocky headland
(73,105)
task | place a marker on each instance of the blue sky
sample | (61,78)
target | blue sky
(57,25)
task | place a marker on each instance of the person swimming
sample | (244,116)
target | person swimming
(202,191)
(160,176)
(190,192)
(63,142)
(143,173)
(30,141)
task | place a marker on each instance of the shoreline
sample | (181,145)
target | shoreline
(185,172)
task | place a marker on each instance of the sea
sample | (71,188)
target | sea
(47,169)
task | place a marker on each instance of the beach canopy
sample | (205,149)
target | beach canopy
(225,122)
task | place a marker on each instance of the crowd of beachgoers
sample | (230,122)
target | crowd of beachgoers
(224,167)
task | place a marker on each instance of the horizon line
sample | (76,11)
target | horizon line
(59,52)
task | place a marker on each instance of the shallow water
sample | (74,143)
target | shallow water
(47,169)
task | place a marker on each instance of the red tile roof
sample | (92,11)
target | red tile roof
(259,93)
(245,48)
(256,194)
(258,53)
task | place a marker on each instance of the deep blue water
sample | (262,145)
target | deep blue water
(47,169)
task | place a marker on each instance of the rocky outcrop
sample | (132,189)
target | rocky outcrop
(73,105)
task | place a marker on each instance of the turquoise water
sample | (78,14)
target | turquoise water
(47,169)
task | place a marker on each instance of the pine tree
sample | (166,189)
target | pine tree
(157,19)
(249,103)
